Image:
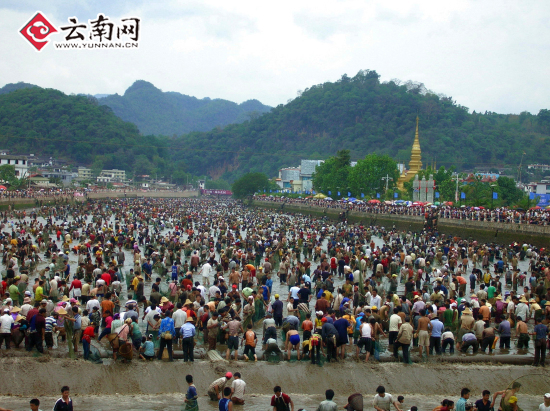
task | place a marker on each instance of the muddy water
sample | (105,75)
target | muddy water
(283,292)
(173,402)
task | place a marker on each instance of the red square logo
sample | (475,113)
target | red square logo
(36,31)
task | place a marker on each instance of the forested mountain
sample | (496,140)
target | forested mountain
(8,88)
(365,116)
(77,128)
(169,113)
(359,113)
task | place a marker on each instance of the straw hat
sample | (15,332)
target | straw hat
(467,311)
(187,302)
(65,299)
(523,300)
(61,311)
(499,298)
(164,300)
(473,296)
(189,319)
(532,300)
(15,310)
(547,303)
(19,318)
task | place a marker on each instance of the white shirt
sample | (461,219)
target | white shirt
(238,387)
(6,321)
(543,407)
(376,301)
(294,292)
(205,270)
(384,402)
(366,330)
(395,320)
(91,304)
(179,317)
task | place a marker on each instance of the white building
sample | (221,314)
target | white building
(19,162)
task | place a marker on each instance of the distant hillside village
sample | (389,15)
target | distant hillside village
(49,172)
(299,179)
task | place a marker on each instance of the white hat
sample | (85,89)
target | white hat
(547,395)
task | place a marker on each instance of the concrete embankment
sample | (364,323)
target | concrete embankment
(500,233)
(23,203)
(43,376)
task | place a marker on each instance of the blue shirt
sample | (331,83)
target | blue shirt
(188,330)
(149,348)
(77,322)
(224,404)
(437,327)
(167,324)
(541,331)
(504,329)
(191,392)
(461,404)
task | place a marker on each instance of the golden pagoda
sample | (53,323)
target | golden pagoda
(415,165)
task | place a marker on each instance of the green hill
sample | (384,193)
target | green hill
(360,114)
(8,88)
(169,113)
(365,116)
(77,128)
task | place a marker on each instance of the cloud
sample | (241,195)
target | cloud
(488,55)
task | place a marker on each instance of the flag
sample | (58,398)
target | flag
(395,195)
(349,194)
(338,192)
(329,192)
(362,195)
(437,194)
(377,195)
(463,196)
(495,196)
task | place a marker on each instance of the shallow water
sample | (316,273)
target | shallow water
(173,402)
(277,289)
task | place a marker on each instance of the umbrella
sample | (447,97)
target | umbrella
(428,204)
(319,195)
(352,199)
(3,188)
(387,202)
(536,208)
(481,208)
(399,201)
(328,198)
(448,203)
(437,203)
(374,201)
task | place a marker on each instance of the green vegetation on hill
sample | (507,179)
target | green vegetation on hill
(8,88)
(363,115)
(169,113)
(48,122)
(359,114)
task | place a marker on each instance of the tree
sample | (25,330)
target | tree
(508,192)
(332,175)
(249,184)
(366,176)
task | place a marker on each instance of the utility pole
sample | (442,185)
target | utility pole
(456,192)
(387,178)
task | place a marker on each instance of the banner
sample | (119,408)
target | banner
(216,192)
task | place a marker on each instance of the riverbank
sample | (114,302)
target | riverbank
(29,377)
(23,203)
(483,231)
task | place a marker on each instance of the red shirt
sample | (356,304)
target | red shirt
(88,334)
(107,278)
(284,397)
(76,284)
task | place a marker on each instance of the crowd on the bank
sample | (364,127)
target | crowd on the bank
(203,274)
(534,216)
(229,391)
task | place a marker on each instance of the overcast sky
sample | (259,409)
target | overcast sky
(487,55)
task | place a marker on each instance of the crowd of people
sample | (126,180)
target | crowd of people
(534,216)
(203,270)
(151,275)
